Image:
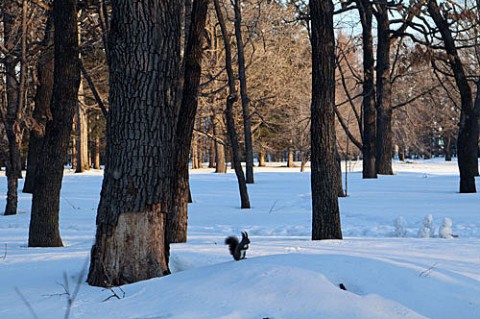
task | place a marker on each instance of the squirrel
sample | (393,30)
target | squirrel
(238,249)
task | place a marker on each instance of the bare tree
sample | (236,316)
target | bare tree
(325,210)
(137,193)
(44,226)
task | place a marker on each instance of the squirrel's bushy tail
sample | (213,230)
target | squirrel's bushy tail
(232,243)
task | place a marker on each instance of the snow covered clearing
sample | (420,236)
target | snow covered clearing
(285,275)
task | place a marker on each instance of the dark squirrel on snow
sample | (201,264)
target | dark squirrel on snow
(238,249)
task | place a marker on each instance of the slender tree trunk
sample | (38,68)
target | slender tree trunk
(131,242)
(44,222)
(96,162)
(220,163)
(231,99)
(368,105)
(177,220)
(304,160)
(325,210)
(242,77)
(467,142)
(74,150)
(81,133)
(15,99)
(261,158)
(211,154)
(290,162)
(448,147)
(338,171)
(384,143)
(41,113)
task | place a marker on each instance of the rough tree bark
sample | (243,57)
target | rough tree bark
(384,145)
(44,226)
(368,103)
(325,210)
(177,221)
(131,242)
(43,99)
(242,77)
(467,142)
(231,99)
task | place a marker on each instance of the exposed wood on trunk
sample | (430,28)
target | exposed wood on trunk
(139,180)
(325,210)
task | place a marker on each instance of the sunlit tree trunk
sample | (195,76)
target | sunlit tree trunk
(131,242)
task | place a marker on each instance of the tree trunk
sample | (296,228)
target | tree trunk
(368,105)
(41,113)
(467,142)
(96,162)
(290,162)
(325,210)
(15,98)
(131,241)
(303,161)
(384,143)
(220,163)
(261,158)
(81,134)
(177,220)
(448,147)
(242,77)
(338,171)
(231,99)
(211,154)
(44,226)
(74,149)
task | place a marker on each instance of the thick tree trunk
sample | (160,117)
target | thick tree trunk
(41,113)
(325,210)
(231,99)
(44,226)
(368,105)
(131,242)
(242,77)
(177,221)
(384,143)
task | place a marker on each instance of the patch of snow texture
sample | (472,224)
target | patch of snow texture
(400,227)
(427,231)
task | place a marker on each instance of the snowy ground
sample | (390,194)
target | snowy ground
(286,275)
